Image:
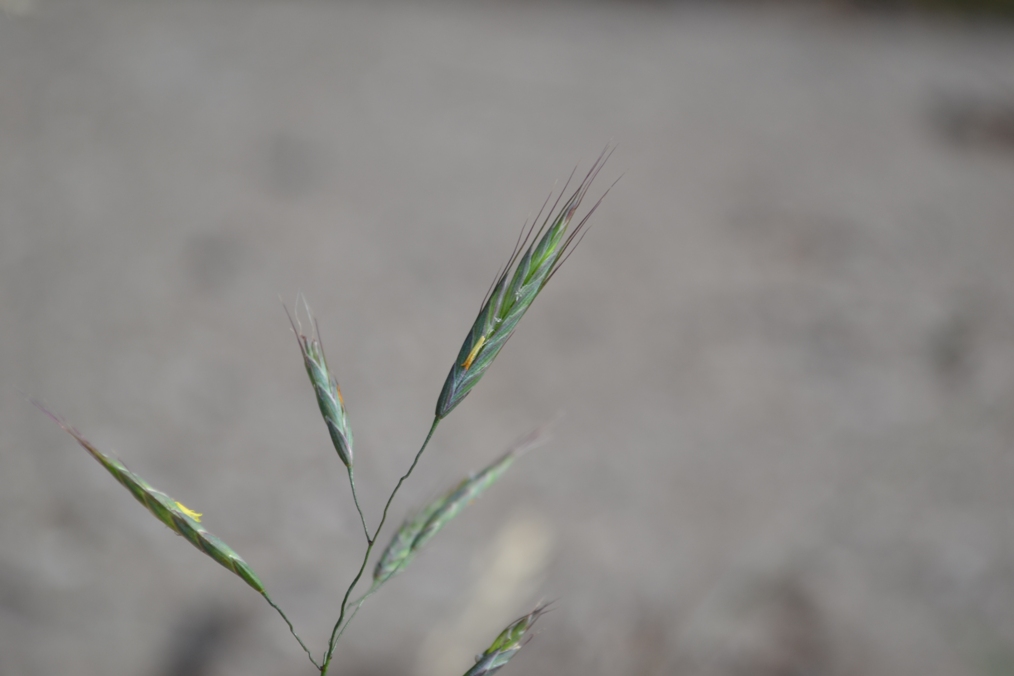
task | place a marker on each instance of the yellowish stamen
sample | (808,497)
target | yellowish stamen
(475,351)
(341,399)
(196,516)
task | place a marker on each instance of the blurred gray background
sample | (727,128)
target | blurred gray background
(785,351)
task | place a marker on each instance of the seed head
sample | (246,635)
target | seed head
(516,287)
(399,552)
(416,531)
(506,645)
(455,500)
(173,514)
(325,386)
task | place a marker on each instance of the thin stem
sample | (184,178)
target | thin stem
(355,498)
(341,615)
(292,629)
(366,557)
(369,592)
(415,461)
(358,604)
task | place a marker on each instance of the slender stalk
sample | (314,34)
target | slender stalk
(415,461)
(358,604)
(292,630)
(341,615)
(362,599)
(355,498)
(366,557)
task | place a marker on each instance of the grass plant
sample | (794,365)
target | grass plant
(541,248)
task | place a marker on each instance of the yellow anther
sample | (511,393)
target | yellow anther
(475,351)
(196,516)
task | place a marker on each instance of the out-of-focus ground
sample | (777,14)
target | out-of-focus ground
(785,350)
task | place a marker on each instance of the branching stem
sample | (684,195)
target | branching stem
(370,541)
(358,604)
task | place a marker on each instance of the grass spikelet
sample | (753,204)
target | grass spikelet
(325,386)
(172,513)
(416,531)
(515,288)
(506,645)
(455,500)
(399,551)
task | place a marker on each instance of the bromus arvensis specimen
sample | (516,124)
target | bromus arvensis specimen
(538,254)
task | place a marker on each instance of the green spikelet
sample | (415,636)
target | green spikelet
(325,386)
(419,529)
(460,497)
(399,552)
(416,531)
(512,293)
(172,513)
(506,645)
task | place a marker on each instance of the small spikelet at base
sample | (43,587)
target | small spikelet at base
(506,645)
